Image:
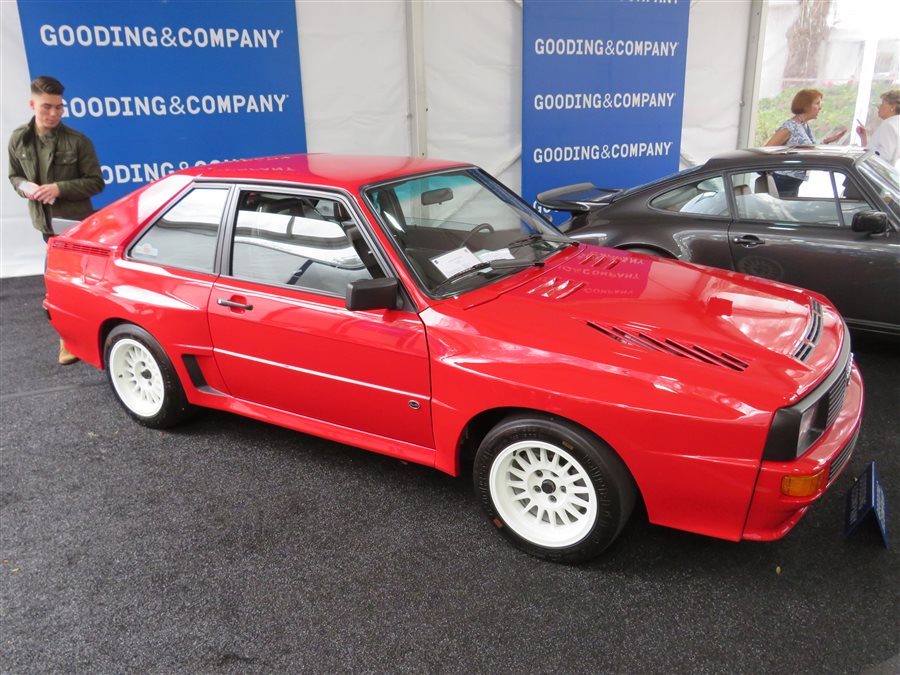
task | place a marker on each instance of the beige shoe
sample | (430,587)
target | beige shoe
(65,356)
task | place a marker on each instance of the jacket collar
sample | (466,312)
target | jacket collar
(31,132)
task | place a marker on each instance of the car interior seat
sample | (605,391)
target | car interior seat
(765,184)
(362,248)
(389,208)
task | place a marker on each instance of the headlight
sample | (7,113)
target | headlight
(811,428)
(795,429)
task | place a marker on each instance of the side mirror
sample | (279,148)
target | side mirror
(372,294)
(873,222)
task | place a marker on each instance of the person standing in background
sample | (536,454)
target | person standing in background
(53,166)
(886,139)
(806,106)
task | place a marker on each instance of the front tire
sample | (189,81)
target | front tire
(143,379)
(553,489)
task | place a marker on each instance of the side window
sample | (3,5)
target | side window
(292,240)
(703,197)
(816,202)
(851,197)
(185,236)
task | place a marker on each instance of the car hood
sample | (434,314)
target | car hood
(663,317)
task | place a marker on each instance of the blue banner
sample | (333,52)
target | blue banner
(602,92)
(160,85)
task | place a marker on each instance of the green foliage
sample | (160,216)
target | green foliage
(838,104)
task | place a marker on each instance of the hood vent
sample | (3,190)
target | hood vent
(556,288)
(692,352)
(813,333)
(606,262)
(81,248)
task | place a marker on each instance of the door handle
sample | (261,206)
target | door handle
(748,241)
(234,304)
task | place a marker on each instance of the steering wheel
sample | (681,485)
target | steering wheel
(486,227)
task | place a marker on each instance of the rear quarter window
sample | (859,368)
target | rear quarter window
(704,197)
(185,236)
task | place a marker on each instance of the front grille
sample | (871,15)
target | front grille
(842,458)
(835,394)
(669,346)
(813,332)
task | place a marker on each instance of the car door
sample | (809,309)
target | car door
(807,241)
(283,337)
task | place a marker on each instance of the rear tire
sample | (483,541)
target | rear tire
(143,379)
(553,489)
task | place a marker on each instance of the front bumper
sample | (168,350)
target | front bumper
(773,514)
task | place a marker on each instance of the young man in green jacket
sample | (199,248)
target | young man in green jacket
(53,166)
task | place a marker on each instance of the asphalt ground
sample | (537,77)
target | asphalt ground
(228,545)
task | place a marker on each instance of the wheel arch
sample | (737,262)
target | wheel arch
(479,426)
(652,249)
(106,327)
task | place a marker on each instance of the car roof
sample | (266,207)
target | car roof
(748,158)
(349,172)
(839,155)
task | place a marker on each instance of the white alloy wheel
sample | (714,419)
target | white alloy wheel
(543,493)
(137,378)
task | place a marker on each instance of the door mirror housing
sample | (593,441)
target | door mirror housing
(379,293)
(873,222)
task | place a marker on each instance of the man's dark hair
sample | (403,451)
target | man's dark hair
(47,85)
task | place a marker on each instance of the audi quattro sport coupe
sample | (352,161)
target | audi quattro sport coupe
(420,309)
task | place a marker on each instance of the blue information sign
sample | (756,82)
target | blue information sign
(602,91)
(865,501)
(160,85)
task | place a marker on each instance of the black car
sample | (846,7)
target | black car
(840,235)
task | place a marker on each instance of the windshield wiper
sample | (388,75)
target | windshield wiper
(537,236)
(493,265)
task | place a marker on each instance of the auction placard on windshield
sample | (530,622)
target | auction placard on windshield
(602,92)
(159,86)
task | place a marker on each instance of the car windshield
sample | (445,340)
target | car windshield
(884,178)
(460,230)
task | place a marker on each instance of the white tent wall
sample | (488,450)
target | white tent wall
(714,78)
(353,65)
(356,88)
(473,62)
(21,246)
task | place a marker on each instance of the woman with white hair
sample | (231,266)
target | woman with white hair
(886,139)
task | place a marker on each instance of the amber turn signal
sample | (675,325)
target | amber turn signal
(802,486)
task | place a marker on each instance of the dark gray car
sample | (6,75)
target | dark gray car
(840,235)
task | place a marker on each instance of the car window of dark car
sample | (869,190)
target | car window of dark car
(816,203)
(185,236)
(883,178)
(701,197)
(300,241)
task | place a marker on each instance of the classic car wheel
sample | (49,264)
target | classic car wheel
(143,378)
(555,490)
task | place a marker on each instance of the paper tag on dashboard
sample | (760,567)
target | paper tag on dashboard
(456,261)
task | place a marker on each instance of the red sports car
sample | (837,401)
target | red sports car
(420,309)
